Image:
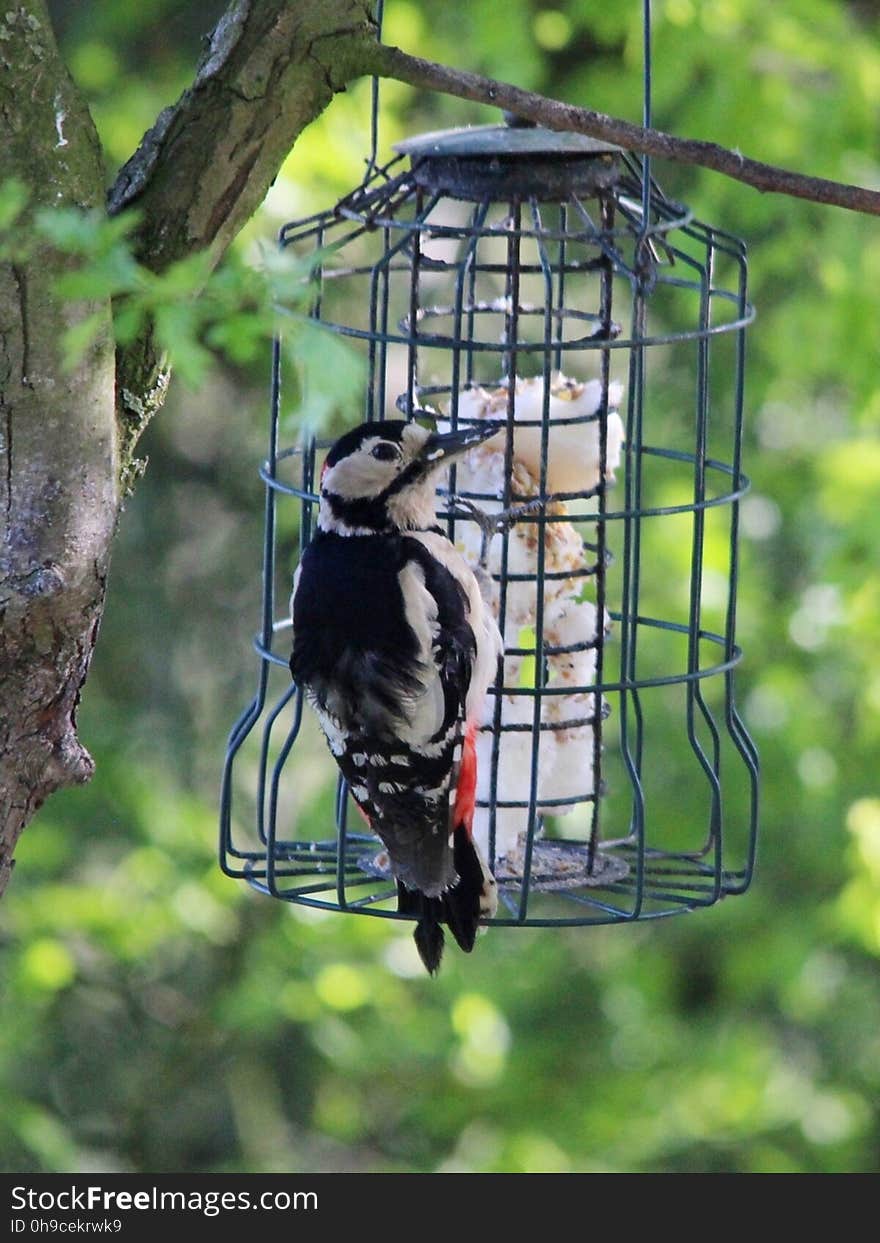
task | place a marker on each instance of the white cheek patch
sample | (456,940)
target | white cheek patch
(360,474)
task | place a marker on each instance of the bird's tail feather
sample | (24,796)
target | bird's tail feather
(459,907)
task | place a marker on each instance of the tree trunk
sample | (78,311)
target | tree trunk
(59,465)
(67,437)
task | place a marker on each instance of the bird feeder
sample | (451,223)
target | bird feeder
(543,279)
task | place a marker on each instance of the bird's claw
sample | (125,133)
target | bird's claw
(492,524)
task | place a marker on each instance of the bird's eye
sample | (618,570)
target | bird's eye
(385,451)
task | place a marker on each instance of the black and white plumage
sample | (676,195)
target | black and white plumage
(395,648)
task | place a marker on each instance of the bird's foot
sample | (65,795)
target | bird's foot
(492,524)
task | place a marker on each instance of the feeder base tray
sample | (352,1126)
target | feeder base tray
(555,866)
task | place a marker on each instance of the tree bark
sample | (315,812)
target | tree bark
(58,474)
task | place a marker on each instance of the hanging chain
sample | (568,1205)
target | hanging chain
(645,254)
(372,162)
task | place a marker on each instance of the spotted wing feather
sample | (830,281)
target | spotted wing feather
(384,650)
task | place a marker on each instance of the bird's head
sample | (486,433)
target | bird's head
(382,476)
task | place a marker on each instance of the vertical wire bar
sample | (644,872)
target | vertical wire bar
(735,724)
(307,480)
(237,735)
(465,267)
(250,716)
(370,389)
(643,271)
(541,517)
(381,392)
(372,162)
(272,472)
(268,834)
(646,109)
(630,586)
(389,254)
(412,361)
(511,289)
(308,461)
(269,599)
(511,328)
(341,841)
(645,256)
(560,284)
(277,769)
(341,784)
(606,295)
(694,697)
(472,297)
(308,465)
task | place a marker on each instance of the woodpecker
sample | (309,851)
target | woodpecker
(395,649)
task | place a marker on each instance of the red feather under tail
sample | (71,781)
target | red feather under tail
(466,791)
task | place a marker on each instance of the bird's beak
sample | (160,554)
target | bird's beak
(439,448)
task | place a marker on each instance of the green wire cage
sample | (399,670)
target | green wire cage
(543,279)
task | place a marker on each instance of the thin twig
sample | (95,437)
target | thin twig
(391,62)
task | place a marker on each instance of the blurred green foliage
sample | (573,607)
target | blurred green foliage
(199,315)
(157,1016)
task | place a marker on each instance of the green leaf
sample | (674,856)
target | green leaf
(14,196)
(331,374)
(78,338)
(106,276)
(87,233)
(176,325)
(182,279)
(129,316)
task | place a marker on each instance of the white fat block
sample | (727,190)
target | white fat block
(514,771)
(565,757)
(568,621)
(573,449)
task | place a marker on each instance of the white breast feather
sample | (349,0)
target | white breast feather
(489,644)
(427,710)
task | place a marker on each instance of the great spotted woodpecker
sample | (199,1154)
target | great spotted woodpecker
(395,649)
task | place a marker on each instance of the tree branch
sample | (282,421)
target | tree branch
(391,62)
(206,165)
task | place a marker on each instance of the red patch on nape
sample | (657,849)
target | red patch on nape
(466,791)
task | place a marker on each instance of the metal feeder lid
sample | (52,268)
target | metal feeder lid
(503,140)
(516,160)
